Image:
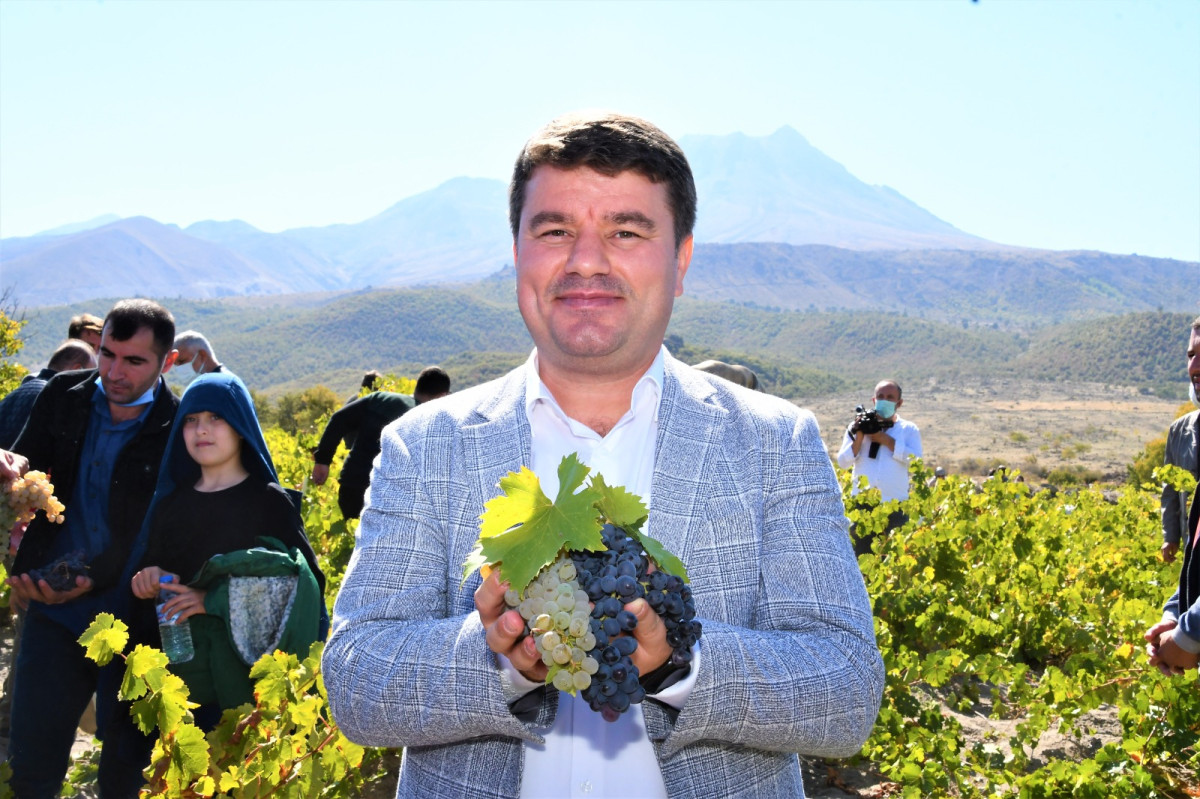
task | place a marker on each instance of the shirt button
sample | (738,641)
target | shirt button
(586,786)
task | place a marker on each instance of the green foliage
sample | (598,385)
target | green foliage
(284,744)
(1025,607)
(11,372)
(302,412)
(1145,462)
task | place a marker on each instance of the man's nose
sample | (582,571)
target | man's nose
(588,256)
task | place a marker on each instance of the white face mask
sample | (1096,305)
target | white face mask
(1192,394)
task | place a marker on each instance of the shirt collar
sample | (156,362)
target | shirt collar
(648,387)
(145,399)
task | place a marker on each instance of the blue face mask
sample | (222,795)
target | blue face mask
(885,408)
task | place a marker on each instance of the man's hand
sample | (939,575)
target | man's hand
(1169,550)
(1165,654)
(25,590)
(320,473)
(506,629)
(12,465)
(651,636)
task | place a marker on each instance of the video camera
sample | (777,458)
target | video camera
(868,421)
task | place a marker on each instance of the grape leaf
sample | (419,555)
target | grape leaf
(105,637)
(628,511)
(542,529)
(620,507)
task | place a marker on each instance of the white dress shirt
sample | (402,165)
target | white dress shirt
(888,470)
(585,756)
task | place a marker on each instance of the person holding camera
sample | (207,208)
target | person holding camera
(878,444)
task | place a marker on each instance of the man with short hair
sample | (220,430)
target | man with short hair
(194,348)
(1182,450)
(360,423)
(86,327)
(738,484)
(881,455)
(14,409)
(100,434)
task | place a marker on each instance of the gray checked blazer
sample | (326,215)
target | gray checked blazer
(743,492)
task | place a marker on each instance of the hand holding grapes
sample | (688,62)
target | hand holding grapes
(506,629)
(25,590)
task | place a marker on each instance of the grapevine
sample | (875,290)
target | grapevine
(23,497)
(572,566)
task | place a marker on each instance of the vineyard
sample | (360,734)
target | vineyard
(1021,612)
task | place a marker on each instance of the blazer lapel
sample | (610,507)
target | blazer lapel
(689,444)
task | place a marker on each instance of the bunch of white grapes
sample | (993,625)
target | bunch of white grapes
(558,615)
(22,498)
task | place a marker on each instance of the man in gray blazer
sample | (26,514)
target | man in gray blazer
(738,483)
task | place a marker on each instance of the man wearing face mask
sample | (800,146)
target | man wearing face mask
(882,456)
(1183,450)
(194,348)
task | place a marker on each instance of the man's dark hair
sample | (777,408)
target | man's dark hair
(432,382)
(609,144)
(72,354)
(370,379)
(127,317)
(82,322)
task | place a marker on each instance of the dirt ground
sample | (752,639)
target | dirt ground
(1034,427)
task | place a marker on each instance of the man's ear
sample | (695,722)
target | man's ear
(169,361)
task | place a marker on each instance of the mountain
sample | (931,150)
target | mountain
(132,257)
(77,227)
(456,231)
(779,188)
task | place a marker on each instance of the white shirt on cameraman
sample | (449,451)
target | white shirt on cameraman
(888,470)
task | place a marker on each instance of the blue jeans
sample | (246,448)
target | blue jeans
(53,683)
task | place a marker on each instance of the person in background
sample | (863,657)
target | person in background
(738,483)
(194,348)
(86,327)
(217,494)
(1183,450)
(360,423)
(100,434)
(1173,644)
(15,407)
(882,456)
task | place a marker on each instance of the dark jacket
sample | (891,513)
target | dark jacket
(361,421)
(52,440)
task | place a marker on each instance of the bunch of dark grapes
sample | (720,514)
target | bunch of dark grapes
(612,579)
(590,651)
(61,573)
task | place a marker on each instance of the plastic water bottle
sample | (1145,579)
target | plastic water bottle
(176,634)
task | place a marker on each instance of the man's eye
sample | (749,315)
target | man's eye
(556,233)
(626,234)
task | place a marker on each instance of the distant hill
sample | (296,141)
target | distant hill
(1018,288)
(294,341)
(134,257)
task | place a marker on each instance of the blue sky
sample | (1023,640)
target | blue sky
(1064,125)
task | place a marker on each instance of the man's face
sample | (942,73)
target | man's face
(597,269)
(890,392)
(129,368)
(1193,354)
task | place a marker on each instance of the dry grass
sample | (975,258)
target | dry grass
(1031,426)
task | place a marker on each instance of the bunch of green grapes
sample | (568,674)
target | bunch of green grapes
(557,614)
(22,498)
